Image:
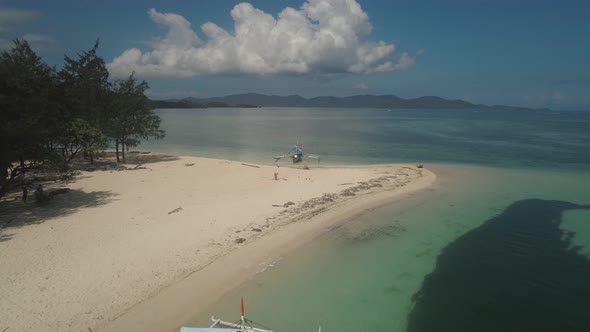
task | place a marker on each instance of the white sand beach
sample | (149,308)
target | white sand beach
(143,249)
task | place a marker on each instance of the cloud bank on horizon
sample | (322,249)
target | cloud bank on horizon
(323,37)
(12,17)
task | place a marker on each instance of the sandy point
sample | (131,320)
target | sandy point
(144,248)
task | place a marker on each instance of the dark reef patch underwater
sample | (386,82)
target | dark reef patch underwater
(516,272)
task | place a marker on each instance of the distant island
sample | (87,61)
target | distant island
(252,100)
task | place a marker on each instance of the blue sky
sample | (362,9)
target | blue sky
(530,53)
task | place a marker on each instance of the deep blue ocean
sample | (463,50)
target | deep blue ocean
(500,243)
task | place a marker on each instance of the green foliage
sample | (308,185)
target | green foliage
(132,117)
(48,117)
(79,136)
(27,103)
(85,87)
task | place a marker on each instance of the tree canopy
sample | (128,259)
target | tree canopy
(134,118)
(48,117)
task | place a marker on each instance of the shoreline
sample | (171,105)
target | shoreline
(160,277)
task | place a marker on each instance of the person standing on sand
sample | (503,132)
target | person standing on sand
(25,193)
(39,195)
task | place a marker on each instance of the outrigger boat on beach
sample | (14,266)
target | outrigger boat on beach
(243,325)
(296,155)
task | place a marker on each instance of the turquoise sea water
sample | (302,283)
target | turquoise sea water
(501,243)
(491,138)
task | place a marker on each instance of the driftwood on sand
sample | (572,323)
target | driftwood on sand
(178,209)
(250,165)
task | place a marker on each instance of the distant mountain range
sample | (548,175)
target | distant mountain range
(359,101)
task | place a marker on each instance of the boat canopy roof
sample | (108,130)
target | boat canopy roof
(205,329)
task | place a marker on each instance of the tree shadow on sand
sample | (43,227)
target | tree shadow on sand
(107,161)
(6,237)
(516,272)
(148,158)
(13,213)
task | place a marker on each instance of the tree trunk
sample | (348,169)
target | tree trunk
(91,155)
(117,149)
(4,166)
(123,151)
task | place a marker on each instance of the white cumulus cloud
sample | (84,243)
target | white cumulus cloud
(322,37)
(9,17)
(405,62)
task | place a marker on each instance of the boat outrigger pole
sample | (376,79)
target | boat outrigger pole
(243,325)
(296,154)
(242,319)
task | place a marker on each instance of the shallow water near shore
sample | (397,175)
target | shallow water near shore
(391,269)
(487,248)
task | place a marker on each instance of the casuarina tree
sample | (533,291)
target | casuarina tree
(27,104)
(132,117)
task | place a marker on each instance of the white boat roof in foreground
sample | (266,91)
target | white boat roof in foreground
(205,329)
(244,325)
